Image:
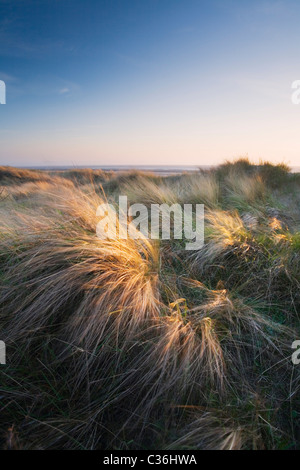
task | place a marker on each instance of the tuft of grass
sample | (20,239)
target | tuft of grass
(200,188)
(245,192)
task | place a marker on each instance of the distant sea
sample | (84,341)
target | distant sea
(160,170)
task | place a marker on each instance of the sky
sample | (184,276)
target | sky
(148,82)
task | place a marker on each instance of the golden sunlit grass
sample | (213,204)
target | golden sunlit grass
(200,189)
(146,191)
(138,344)
(244,191)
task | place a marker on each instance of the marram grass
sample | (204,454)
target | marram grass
(139,344)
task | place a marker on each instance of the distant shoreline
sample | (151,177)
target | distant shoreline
(162,170)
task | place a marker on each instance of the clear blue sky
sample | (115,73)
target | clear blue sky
(148,81)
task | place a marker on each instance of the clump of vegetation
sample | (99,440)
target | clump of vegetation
(139,344)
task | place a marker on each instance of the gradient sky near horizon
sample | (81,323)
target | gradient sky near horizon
(148,82)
